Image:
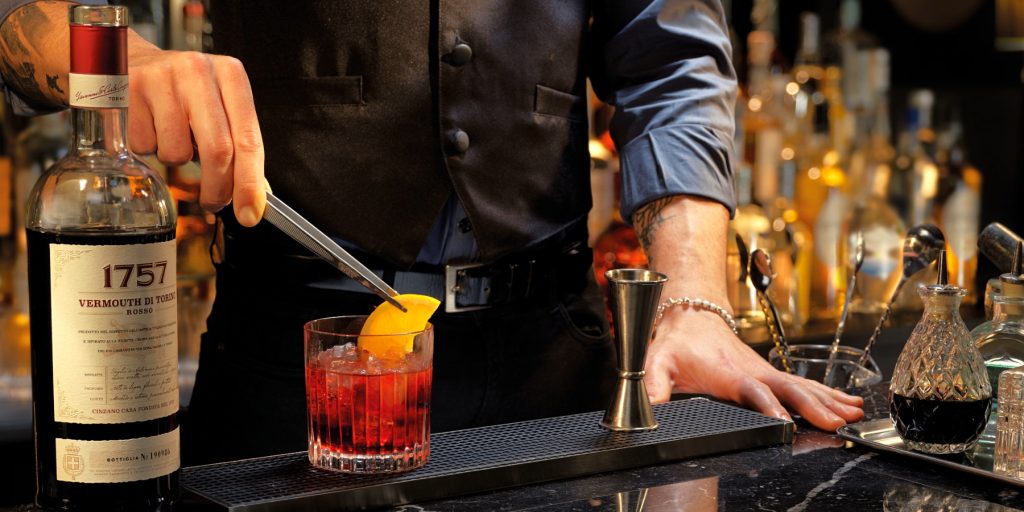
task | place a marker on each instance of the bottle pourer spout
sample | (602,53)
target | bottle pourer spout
(1013,281)
(1018,259)
(943,279)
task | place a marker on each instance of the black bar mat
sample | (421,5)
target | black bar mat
(489,458)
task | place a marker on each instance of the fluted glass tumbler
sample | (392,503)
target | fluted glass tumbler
(366,414)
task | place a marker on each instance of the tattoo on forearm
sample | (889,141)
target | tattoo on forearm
(51,82)
(647,219)
(21,58)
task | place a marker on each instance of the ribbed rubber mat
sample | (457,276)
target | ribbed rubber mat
(489,458)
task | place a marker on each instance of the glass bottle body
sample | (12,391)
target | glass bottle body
(100,226)
(940,393)
(1000,341)
(828,282)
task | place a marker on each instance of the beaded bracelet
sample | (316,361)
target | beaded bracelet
(698,304)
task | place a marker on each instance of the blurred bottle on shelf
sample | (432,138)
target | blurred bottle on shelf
(871,215)
(959,211)
(752,225)
(43,141)
(766,129)
(820,198)
(795,256)
(804,92)
(924,176)
(842,48)
(762,130)
(8,233)
(916,168)
(828,281)
(193,21)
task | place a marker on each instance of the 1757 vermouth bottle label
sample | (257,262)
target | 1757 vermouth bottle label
(115,355)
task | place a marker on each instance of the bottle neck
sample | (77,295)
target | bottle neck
(99,130)
(941,300)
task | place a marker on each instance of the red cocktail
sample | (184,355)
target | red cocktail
(367,413)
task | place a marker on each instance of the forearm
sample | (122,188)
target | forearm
(685,238)
(34,57)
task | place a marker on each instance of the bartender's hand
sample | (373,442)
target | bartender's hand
(173,97)
(180,97)
(693,350)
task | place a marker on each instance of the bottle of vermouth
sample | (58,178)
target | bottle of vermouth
(100,228)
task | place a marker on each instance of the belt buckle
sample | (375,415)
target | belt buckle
(452,272)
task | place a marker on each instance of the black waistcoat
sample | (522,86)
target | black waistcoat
(373,114)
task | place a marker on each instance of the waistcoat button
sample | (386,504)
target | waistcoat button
(461,54)
(458,141)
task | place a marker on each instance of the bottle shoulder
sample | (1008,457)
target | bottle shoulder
(90,191)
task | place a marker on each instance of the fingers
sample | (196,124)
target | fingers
(175,93)
(169,121)
(810,405)
(249,192)
(838,395)
(848,413)
(756,395)
(140,124)
(209,123)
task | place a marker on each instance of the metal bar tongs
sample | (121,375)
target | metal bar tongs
(302,231)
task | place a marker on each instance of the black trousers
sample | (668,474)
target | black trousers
(539,357)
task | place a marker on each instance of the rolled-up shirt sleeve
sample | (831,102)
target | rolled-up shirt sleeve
(18,104)
(665,65)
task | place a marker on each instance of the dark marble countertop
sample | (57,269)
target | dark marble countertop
(819,471)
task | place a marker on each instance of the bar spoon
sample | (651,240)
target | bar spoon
(761,276)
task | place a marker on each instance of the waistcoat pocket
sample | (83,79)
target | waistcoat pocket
(552,102)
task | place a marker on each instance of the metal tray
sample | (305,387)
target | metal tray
(488,458)
(880,435)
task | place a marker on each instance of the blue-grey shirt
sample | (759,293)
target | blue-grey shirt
(668,72)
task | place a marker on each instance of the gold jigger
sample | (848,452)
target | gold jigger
(635,295)
(631,501)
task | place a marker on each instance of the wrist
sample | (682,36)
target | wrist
(678,308)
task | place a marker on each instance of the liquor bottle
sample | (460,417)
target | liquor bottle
(840,49)
(762,130)
(817,164)
(828,281)
(193,19)
(921,176)
(807,70)
(100,228)
(999,244)
(872,216)
(797,254)
(753,226)
(1001,340)
(924,174)
(8,234)
(960,212)
(940,393)
(819,199)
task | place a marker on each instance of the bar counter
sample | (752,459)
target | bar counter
(819,471)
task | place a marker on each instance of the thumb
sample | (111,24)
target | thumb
(659,384)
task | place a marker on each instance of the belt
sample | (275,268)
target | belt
(460,286)
(470,286)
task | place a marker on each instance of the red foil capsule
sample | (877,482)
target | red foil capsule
(97,50)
